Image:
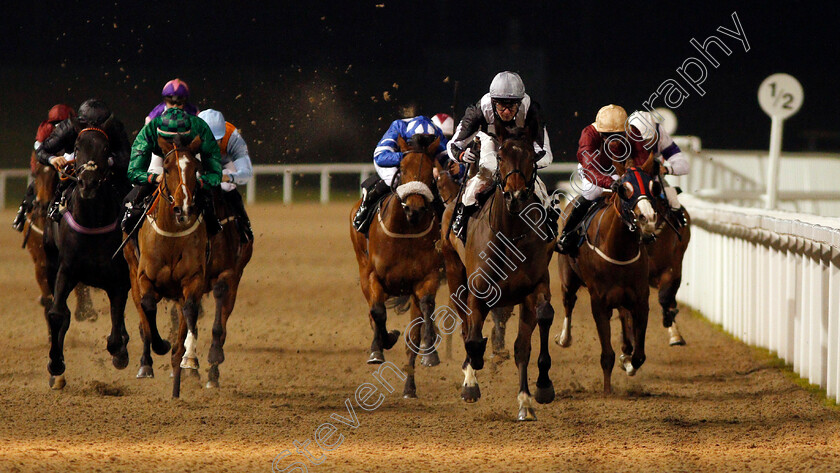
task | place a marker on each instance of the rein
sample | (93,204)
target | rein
(600,252)
(162,186)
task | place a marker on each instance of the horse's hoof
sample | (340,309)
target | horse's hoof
(145,372)
(471,394)
(627,365)
(526,414)
(544,395)
(410,395)
(376,358)
(563,340)
(57,382)
(393,336)
(677,341)
(216,356)
(430,360)
(212,384)
(120,360)
(162,347)
(189,363)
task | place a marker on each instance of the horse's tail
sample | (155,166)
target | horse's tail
(400,304)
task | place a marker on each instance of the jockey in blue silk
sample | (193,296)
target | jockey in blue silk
(387,157)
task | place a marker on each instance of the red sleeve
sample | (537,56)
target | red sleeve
(591,158)
(44,130)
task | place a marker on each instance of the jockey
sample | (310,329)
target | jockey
(56,115)
(658,140)
(386,160)
(601,143)
(174,121)
(93,113)
(445,123)
(505,105)
(175,94)
(236,166)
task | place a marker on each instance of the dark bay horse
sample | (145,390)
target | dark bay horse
(613,264)
(79,249)
(172,263)
(504,262)
(399,257)
(665,266)
(45,180)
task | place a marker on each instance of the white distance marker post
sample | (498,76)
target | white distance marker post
(780,96)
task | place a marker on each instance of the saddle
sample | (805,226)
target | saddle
(375,208)
(583,227)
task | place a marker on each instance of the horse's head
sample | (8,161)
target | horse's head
(637,190)
(517,171)
(93,159)
(179,174)
(416,175)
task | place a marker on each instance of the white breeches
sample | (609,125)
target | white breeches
(478,183)
(387,174)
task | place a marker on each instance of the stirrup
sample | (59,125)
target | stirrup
(565,244)
(20,219)
(360,217)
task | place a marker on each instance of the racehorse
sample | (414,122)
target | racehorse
(45,178)
(399,257)
(613,264)
(665,271)
(503,263)
(665,255)
(80,246)
(171,263)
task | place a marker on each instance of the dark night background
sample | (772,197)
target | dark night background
(305,80)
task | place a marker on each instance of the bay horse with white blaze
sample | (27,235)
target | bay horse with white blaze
(504,262)
(399,257)
(613,264)
(79,249)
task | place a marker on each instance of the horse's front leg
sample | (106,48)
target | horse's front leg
(500,315)
(148,304)
(475,345)
(382,338)
(569,283)
(545,316)
(627,337)
(425,293)
(640,320)
(59,321)
(224,291)
(192,298)
(522,355)
(118,339)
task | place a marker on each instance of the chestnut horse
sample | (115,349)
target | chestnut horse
(79,249)
(613,264)
(504,262)
(399,257)
(45,179)
(172,261)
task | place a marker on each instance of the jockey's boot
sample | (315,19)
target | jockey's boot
(679,217)
(54,212)
(25,207)
(208,209)
(567,243)
(370,195)
(460,217)
(134,208)
(243,223)
(551,222)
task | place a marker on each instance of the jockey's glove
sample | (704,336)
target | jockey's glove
(468,156)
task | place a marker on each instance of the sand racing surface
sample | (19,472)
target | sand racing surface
(296,350)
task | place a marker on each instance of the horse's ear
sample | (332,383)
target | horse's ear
(432,148)
(402,144)
(165,146)
(107,123)
(77,125)
(195,145)
(648,166)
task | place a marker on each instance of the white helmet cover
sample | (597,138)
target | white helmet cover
(445,123)
(215,120)
(644,122)
(507,86)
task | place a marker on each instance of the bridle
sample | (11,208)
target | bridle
(77,170)
(626,206)
(163,189)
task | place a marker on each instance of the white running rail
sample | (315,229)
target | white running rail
(771,279)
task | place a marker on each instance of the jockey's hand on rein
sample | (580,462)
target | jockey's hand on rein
(58,162)
(468,156)
(615,186)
